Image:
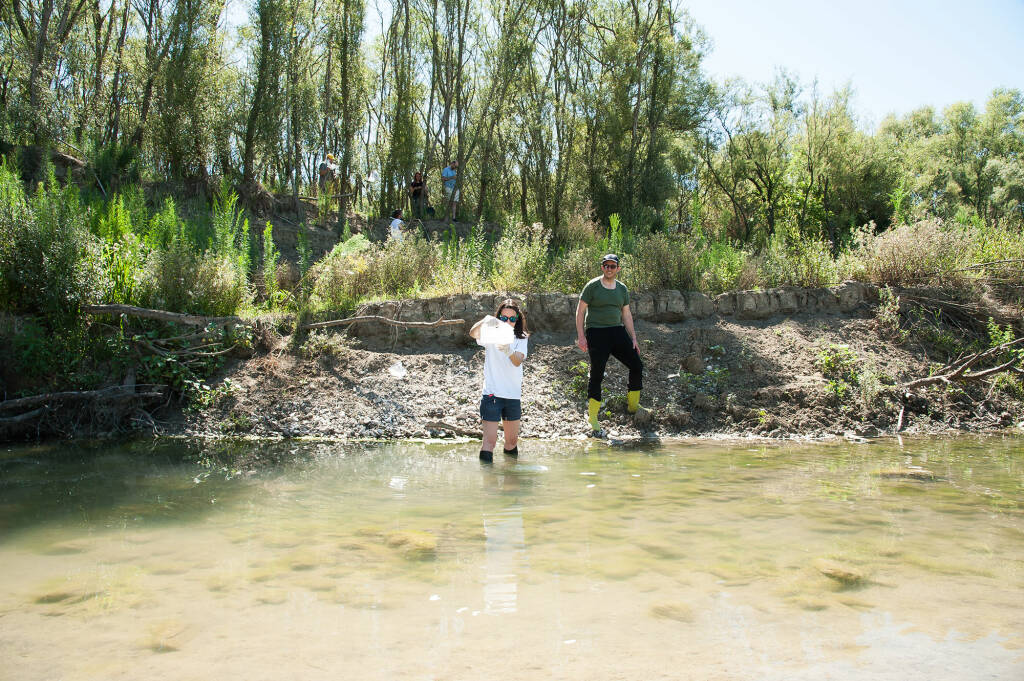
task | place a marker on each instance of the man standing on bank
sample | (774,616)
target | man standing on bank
(604,326)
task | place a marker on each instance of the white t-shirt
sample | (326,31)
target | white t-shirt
(502,378)
(396,229)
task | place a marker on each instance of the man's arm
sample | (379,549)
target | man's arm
(627,321)
(581,337)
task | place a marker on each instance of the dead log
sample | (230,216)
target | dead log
(112,393)
(382,320)
(164,316)
(22,418)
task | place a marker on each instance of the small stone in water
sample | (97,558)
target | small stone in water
(843,574)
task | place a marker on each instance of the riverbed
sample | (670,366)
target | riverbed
(580,560)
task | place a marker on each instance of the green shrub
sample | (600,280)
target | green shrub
(1002,251)
(520,260)
(180,280)
(124,263)
(230,229)
(115,164)
(839,363)
(166,226)
(573,268)
(401,267)
(356,269)
(795,260)
(725,267)
(888,315)
(44,357)
(662,261)
(49,260)
(270,257)
(463,265)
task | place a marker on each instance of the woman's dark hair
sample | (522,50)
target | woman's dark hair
(520,328)
(396,213)
(417,174)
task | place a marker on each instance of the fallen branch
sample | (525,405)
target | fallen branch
(382,320)
(164,316)
(958,372)
(21,418)
(116,392)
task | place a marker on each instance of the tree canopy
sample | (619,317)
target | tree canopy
(553,108)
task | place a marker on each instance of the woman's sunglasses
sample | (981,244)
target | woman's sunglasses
(513,318)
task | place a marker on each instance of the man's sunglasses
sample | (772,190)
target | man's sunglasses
(513,318)
(609,265)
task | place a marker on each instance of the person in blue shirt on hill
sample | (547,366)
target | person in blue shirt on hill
(449,176)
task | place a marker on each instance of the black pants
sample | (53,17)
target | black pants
(614,341)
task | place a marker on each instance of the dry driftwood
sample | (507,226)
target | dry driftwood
(382,320)
(111,393)
(164,316)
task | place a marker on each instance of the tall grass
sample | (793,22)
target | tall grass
(923,253)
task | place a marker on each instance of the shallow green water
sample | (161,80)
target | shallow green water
(580,561)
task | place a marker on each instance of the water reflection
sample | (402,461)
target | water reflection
(505,547)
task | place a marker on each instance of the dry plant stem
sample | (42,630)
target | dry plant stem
(383,320)
(975,266)
(959,372)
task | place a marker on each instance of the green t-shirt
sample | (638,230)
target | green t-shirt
(604,305)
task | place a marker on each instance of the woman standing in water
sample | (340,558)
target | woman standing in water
(503,380)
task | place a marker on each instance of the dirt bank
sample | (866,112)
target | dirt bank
(808,369)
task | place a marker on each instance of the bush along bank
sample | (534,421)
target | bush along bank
(62,251)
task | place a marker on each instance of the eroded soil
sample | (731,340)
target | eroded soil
(713,377)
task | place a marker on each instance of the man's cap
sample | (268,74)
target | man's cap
(611,256)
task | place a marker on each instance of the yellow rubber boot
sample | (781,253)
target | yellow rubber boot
(593,406)
(633,401)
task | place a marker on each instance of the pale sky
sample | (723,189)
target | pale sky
(898,54)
